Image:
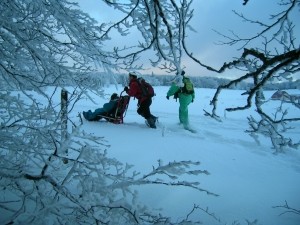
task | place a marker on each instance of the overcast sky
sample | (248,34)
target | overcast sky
(209,15)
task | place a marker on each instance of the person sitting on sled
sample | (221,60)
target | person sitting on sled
(107,109)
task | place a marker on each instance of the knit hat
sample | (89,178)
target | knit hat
(182,73)
(114,96)
(131,74)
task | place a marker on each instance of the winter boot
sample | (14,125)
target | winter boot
(151,122)
(84,115)
(155,118)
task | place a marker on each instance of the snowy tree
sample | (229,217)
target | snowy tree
(164,25)
(266,64)
(161,26)
(51,174)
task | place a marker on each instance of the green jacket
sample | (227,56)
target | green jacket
(184,101)
(187,98)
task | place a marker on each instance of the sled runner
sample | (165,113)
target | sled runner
(117,116)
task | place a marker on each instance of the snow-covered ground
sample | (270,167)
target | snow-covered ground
(248,178)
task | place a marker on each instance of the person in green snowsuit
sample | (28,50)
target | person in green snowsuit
(184,101)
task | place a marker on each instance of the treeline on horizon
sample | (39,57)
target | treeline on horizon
(102,79)
(97,80)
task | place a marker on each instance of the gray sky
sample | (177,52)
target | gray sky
(209,15)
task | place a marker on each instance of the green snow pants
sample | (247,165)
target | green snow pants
(184,101)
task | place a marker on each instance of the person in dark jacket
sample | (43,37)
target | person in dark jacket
(144,102)
(107,108)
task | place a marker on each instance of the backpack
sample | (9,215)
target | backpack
(188,87)
(146,88)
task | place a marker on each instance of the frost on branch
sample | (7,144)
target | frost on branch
(287,209)
(47,46)
(262,65)
(172,171)
(162,27)
(91,188)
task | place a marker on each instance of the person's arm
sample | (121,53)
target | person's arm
(133,89)
(173,89)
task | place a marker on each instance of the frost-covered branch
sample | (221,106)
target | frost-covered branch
(206,210)
(172,170)
(161,24)
(47,46)
(279,21)
(263,66)
(287,209)
(103,185)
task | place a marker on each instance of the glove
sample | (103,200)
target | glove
(167,97)
(126,88)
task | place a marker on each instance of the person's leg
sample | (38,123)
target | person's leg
(86,115)
(144,111)
(144,108)
(93,116)
(179,114)
(184,102)
(184,114)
